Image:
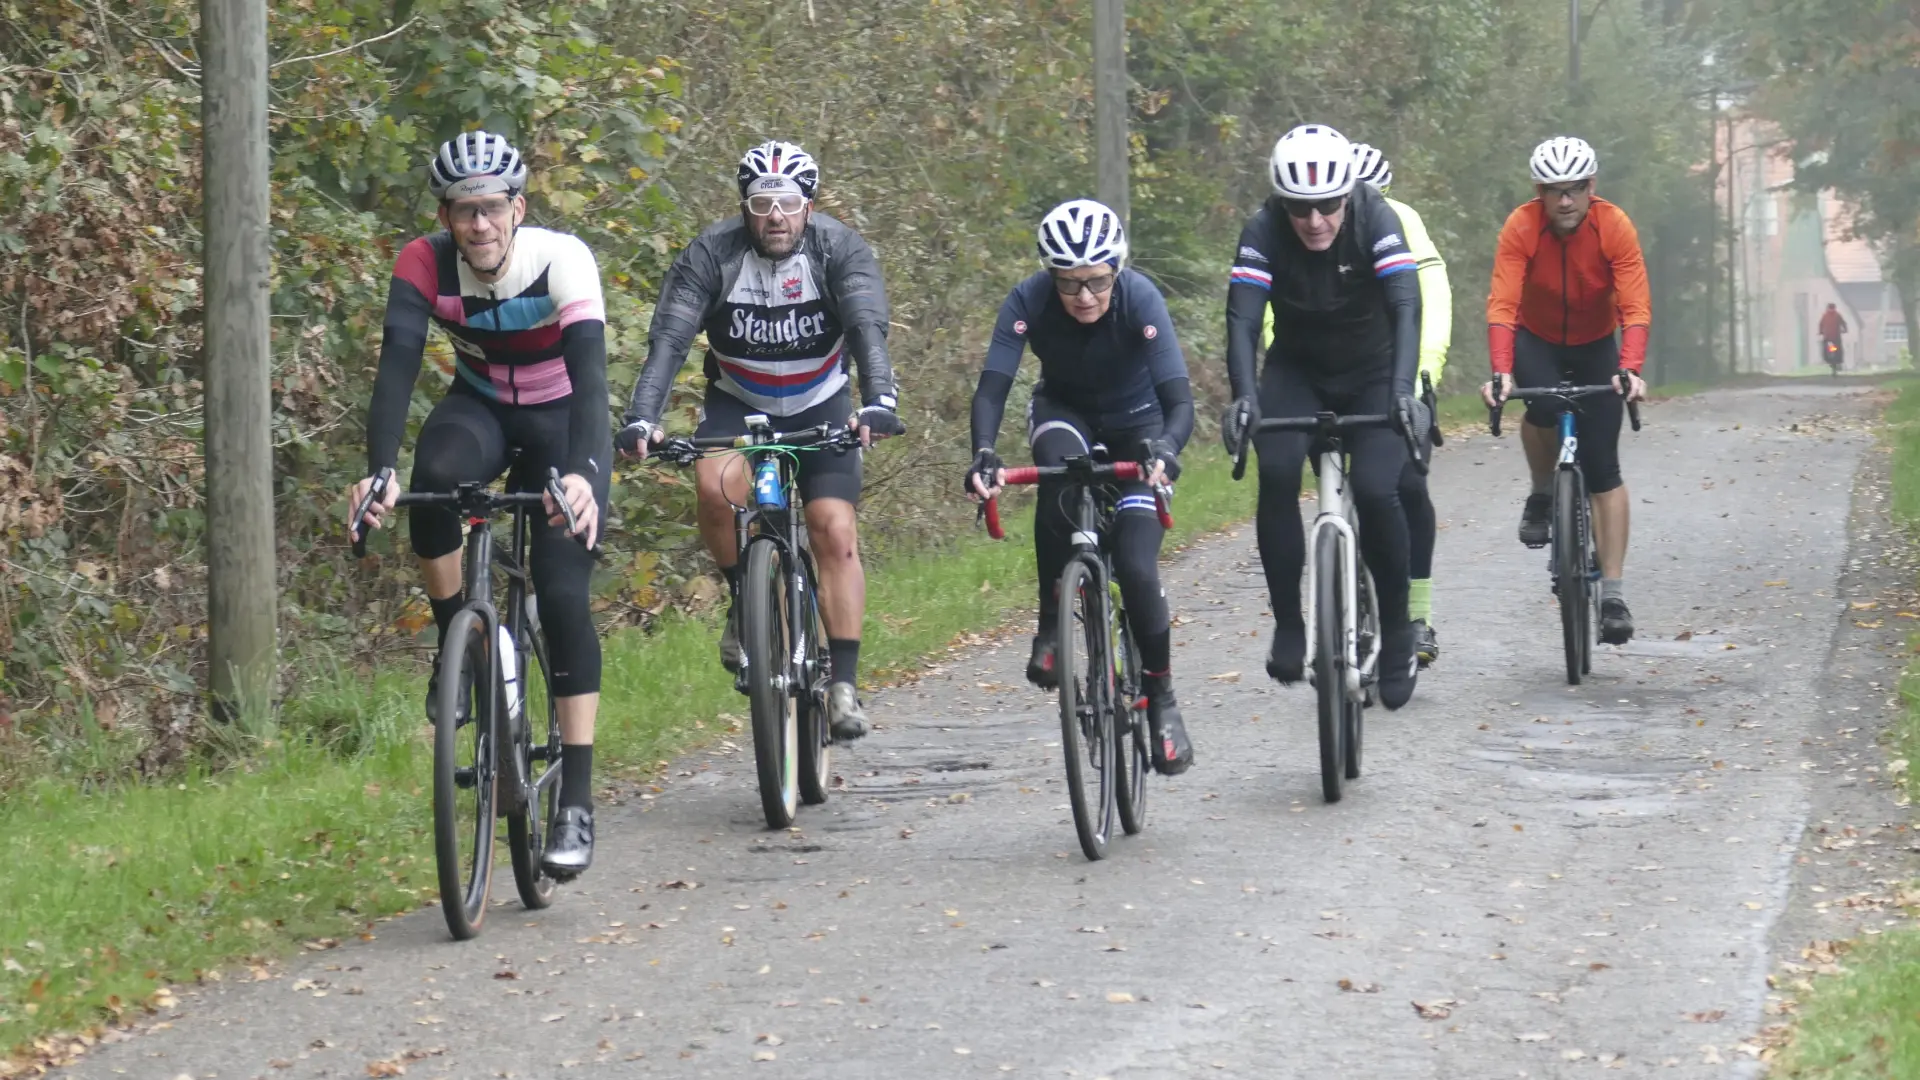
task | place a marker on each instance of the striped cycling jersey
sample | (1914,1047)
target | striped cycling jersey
(775,343)
(506,334)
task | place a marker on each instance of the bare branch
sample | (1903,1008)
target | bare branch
(395,32)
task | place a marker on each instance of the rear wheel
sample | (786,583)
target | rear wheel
(764,645)
(1570,567)
(1133,756)
(1329,664)
(1087,737)
(529,827)
(464,775)
(815,732)
(1367,620)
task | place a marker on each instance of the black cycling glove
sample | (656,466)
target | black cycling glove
(1236,422)
(1164,452)
(881,420)
(986,465)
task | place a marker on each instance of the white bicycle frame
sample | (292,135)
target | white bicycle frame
(1336,515)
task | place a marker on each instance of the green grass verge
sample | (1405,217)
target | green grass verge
(1865,1022)
(116,891)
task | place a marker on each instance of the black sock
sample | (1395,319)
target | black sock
(444,611)
(844,654)
(576,776)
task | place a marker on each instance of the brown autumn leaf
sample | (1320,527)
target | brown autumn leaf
(1438,1009)
(1351,987)
(386,1068)
(1710,1016)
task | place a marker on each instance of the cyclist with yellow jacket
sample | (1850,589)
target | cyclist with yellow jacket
(1436,330)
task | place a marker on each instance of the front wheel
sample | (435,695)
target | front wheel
(764,647)
(1570,567)
(1329,663)
(465,774)
(1087,737)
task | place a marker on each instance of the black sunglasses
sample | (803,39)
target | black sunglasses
(1304,208)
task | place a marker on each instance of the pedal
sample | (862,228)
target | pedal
(463,778)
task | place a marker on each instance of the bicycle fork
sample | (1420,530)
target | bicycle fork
(1332,518)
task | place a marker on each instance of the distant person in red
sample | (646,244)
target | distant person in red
(1832,326)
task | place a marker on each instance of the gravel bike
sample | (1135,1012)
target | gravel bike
(1103,708)
(784,665)
(1343,610)
(486,760)
(1573,562)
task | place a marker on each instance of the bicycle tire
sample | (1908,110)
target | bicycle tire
(1329,664)
(815,733)
(464,880)
(1588,635)
(1570,568)
(530,826)
(1366,623)
(1133,753)
(1086,722)
(764,643)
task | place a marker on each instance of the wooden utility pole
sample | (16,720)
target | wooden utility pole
(241,595)
(1110,102)
(1573,49)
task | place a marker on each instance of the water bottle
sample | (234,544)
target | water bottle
(511,665)
(766,485)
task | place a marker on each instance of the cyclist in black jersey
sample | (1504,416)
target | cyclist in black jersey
(524,311)
(1332,260)
(1111,372)
(786,297)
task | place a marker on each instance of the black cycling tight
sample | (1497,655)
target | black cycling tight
(1378,456)
(467,438)
(1133,540)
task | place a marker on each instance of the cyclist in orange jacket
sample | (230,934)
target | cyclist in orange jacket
(1567,273)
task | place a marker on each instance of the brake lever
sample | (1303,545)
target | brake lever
(356,525)
(559,496)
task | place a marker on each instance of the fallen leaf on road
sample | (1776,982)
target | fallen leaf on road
(1711,1016)
(1435,1010)
(1120,997)
(1532,1036)
(1226,676)
(681,885)
(1775,584)
(386,1068)
(1684,635)
(1865,605)
(1352,987)
(770,1039)
(1093,929)
(764,1055)
(506,974)
(551,1017)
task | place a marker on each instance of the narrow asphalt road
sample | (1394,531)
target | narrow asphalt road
(1566,880)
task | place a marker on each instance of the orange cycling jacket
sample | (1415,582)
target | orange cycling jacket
(1569,290)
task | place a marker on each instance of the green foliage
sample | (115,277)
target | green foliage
(945,129)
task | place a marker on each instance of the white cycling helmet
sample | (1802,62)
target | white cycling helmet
(1082,233)
(1371,166)
(476,163)
(778,166)
(1563,158)
(1312,161)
